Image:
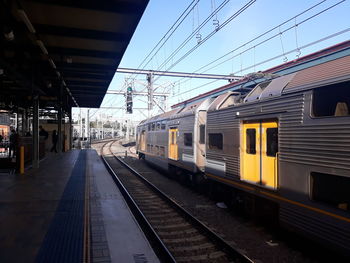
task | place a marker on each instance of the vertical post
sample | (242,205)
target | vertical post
(24,128)
(36,132)
(87,120)
(127,136)
(70,129)
(103,133)
(150,93)
(81,124)
(21,160)
(27,121)
(59,121)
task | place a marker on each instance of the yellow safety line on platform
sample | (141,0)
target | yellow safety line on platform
(86,256)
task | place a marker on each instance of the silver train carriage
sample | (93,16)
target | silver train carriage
(287,140)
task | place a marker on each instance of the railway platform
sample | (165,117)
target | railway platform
(68,210)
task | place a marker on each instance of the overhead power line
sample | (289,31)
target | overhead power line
(278,56)
(264,41)
(169,33)
(195,31)
(241,10)
(179,74)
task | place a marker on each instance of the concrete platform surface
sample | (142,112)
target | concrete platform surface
(37,208)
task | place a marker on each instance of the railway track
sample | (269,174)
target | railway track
(178,236)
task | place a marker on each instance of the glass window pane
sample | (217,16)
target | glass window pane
(215,141)
(271,141)
(251,141)
(331,100)
(188,139)
(202,134)
(163,125)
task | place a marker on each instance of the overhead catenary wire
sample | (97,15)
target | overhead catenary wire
(169,33)
(193,33)
(259,36)
(212,33)
(201,69)
(273,36)
(278,56)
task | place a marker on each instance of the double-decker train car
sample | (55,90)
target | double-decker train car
(286,141)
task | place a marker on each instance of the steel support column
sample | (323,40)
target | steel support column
(59,121)
(87,128)
(36,132)
(70,129)
(24,126)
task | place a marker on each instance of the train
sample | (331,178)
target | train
(286,140)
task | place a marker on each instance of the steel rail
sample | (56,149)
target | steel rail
(231,251)
(157,244)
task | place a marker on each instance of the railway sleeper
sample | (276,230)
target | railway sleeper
(181,226)
(186,240)
(168,220)
(178,234)
(191,248)
(150,211)
(149,206)
(216,256)
(159,215)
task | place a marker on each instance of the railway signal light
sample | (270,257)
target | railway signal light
(129,100)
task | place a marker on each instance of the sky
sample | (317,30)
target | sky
(236,37)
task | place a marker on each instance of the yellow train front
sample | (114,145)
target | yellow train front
(286,140)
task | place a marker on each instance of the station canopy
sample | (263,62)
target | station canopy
(68,44)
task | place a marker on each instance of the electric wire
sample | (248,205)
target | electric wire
(256,38)
(212,33)
(264,41)
(171,31)
(193,33)
(278,56)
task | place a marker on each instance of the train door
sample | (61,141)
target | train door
(173,147)
(251,152)
(143,141)
(200,145)
(259,153)
(269,149)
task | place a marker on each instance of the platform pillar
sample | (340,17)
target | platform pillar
(24,123)
(70,129)
(87,121)
(21,160)
(59,121)
(36,132)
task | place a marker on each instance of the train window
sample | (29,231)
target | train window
(173,138)
(162,151)
(156,152)
(163,125)
(215,141)
(251,141)
(153,126)
(331,100)
(188,139)
(331,189)
(149,127)
(158,125)
(202,133)
(271,141)
(148,148)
